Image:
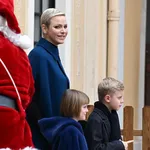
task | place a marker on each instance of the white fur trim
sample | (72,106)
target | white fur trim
(23,41)
(3,21)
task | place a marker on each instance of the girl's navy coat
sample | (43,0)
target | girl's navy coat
(50,84)
(63,133)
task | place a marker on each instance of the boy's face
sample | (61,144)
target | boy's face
(115,100)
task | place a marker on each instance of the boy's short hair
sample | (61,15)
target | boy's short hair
(109,86)
(72,101)
(48,14)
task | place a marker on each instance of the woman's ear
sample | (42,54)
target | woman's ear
(44,28)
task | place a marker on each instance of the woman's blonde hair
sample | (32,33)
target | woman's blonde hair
(72,102)
(48,14)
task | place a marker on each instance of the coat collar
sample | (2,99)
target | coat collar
(52,127)
(53,50)
(103,108)
(49,47)
(113,120)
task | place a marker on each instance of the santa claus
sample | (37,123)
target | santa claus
(16,81)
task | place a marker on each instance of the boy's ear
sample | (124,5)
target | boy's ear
(107,98)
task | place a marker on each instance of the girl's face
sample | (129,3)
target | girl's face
(57,30)
(83,112)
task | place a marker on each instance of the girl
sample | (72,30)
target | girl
(65,133)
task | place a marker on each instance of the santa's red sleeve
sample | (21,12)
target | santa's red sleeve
(14,129)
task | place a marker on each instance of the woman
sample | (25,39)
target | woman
(50,78)
(65,133)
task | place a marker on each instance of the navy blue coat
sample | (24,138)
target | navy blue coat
(50,84)
(63,133)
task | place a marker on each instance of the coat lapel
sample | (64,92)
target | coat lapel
(53,50)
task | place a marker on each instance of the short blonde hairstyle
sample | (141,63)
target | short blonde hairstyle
(72,102)
(48,14)
(109,86)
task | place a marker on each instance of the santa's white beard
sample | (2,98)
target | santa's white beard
(22,41)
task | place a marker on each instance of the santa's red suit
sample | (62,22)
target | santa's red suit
(16,82)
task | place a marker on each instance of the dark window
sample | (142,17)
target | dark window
(147,57)
(40,6)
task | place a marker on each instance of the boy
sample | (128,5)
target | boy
(103,130)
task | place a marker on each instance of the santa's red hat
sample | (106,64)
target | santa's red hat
(7,11)
(9,25)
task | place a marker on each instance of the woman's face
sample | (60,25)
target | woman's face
(57,30)
(83,112)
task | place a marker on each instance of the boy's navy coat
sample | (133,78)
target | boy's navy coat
(50,84)
(63,133)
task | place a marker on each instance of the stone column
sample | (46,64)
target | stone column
(21,13)
(24,11)
(132,50)
(133,15)
(89,33)
(113,37)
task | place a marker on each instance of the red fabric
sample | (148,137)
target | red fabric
(14,130)
(7,11)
